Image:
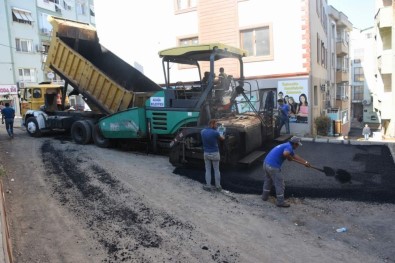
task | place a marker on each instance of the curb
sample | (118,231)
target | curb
(5,242)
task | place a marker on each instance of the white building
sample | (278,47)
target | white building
(24,39)
(363,82)
(384,94)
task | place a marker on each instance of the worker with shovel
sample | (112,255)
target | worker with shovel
(272,169)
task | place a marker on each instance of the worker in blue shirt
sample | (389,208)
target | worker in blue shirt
(9,115)
(272,169)
(283,114)
(210,137)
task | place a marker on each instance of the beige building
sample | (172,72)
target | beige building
(384,95)
(300,50)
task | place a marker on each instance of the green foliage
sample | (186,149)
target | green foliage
(322,124)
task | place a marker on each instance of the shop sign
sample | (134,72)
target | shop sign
(8,90)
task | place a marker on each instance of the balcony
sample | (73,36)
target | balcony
(384,17)
(384,62)
(341,48)
(341,75)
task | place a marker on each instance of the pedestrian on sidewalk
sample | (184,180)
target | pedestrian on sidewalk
(210,137)
(272,169)
(9,114)
(283,113)
(366,132)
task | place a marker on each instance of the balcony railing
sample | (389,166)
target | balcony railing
(341,47)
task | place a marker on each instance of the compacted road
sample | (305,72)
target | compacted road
(72,203)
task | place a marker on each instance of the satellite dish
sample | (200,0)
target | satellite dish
(50,75)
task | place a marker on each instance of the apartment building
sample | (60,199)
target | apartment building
(363,83)
(384,94)
(339,100)
(292,45)
(24,40)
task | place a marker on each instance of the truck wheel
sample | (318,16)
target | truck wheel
(81,132)
(32,127)
(99,139)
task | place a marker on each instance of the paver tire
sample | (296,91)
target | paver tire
(99,139)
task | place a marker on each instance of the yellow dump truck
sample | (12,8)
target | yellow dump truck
(107,83)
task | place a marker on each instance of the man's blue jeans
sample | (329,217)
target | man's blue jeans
(9,125)
(273,175)
(212,159)
(284,121)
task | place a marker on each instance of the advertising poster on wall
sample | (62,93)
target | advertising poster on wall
(295,94)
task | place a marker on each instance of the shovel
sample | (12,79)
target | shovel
(340,175)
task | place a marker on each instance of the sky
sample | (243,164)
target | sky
(359,12)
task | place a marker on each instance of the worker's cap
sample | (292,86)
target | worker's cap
(297,140)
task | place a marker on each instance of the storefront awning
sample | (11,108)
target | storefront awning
(22,14)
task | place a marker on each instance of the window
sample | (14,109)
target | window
(66,5)
(92,10)
(22,16)
(357,93)
(36,93)
(323,54)
(342,64)
(318,48)
(257,41)
(344,116)
(342,92)
(358,75)
(23,45)
(182,5)
(81,8)
(45,26)
(27,74)
(189,41)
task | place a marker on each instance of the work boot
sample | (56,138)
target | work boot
(218,188)
(281,202)
(265,195)
(207,187)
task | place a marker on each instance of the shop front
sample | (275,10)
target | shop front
(9,94)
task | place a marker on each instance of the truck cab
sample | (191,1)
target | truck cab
(45,94)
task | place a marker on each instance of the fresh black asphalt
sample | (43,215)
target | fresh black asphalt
(371,168)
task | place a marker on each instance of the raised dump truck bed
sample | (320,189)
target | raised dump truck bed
(109,83)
